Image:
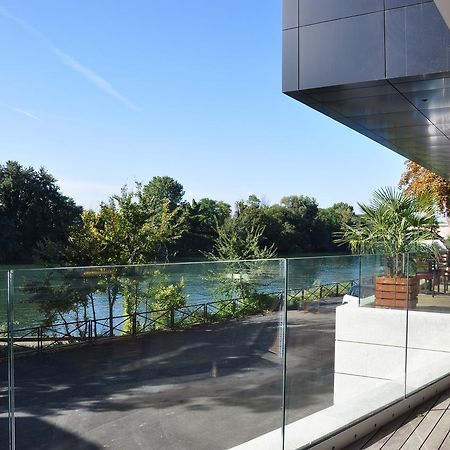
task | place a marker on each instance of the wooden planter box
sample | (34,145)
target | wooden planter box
(396,292)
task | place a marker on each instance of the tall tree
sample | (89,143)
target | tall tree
(126,231)
(233,243)
(330,221)
(32,210)
(162,188)
(418,181)
(202,219)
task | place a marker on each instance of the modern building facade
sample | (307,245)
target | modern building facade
(381,67)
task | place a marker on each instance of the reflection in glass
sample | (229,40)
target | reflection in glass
(126,356)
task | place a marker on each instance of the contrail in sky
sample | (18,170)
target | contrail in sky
(20,111)
(26,113)
(71,62)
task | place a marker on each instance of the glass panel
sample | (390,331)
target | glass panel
(317,287)
(428,353)
(345,347)
(149,356)
(4,355)
(378,337)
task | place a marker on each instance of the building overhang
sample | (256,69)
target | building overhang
(409,116)
(384,71)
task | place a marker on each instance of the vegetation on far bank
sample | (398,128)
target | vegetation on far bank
(153,222)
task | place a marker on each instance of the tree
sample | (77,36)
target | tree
(296,215)
(330,221)
(202,219)
(418,181)
(32,211)
(235,244)
(394,223)
(126,231)
(160,189)
(239,278)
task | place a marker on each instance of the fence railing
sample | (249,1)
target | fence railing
(43,337)
(299,296)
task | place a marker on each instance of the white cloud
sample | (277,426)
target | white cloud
(71,62)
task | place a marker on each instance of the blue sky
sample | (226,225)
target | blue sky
(103,93)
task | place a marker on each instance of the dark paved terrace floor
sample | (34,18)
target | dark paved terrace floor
(427,427)
(209,387)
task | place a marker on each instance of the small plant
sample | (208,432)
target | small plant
(166,299)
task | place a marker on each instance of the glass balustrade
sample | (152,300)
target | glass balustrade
(276,354)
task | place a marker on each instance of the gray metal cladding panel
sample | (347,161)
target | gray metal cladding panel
(335,95)
(324,109)
(315,11)
(408,132)
(429,142)
(430,99)
(417,41)
(438,116)
(382,104)
(290,60)
(407,87)
(399,3)
(336,52)
(393,120)
(290,14)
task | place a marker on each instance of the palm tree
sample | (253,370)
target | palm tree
(393,224)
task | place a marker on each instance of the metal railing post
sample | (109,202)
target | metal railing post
(134,324)
(39,338)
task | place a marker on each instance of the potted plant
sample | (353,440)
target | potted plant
(396,225)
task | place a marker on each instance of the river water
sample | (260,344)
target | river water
(200,281)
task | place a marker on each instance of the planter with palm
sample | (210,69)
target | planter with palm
(396,225)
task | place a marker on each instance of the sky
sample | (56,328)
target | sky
(105,93)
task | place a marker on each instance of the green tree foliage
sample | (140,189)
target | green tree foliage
(126,230)
(144,290)
(162,190)
(130,229)
(150,223)
(242,280)
(235,243)
(32,212)
(392,224)
(166,299)
(331,221)
(202,219)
